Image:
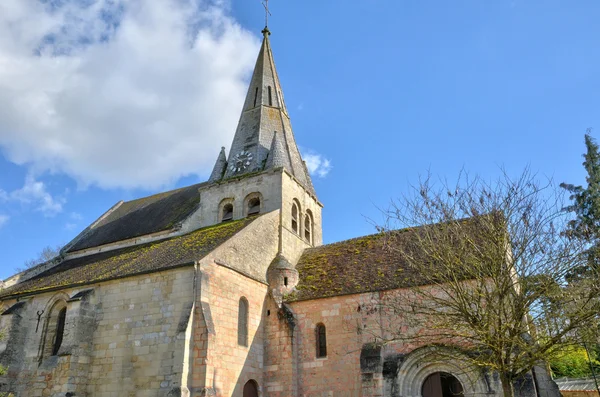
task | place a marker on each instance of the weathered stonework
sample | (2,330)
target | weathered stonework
(164,296)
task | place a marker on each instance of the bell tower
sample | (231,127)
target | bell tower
(263,139)
(264,154)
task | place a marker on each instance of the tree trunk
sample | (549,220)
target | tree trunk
(507,386)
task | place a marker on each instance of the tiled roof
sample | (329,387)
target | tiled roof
(140,217)
(348,267)
(365,264)
(146,258)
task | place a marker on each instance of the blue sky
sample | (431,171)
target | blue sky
(108,100)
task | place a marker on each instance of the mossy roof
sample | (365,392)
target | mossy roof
(353,266)
(142,216)
(364,264)
(125,262)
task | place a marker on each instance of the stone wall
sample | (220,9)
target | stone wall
(221,365)
(356,365)
(294,243)
(268,184)
(122,338)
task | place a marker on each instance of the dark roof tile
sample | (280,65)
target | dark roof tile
(140,217)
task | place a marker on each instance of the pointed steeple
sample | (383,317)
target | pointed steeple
(219,168)
(263,114)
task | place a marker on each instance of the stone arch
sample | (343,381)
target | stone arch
(226,210)
(54,325)
(253,204)
(296,217)
(425,361)
(308,227)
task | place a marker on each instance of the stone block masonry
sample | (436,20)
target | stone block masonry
(121,340)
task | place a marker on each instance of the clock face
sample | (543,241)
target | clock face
(241,161)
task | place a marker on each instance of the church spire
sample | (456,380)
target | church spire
(264,113)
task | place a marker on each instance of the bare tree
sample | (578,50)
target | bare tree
(46,254)
(489,262)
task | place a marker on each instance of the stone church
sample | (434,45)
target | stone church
(222,288)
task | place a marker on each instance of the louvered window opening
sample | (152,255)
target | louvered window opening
(307,228)
(270,97)
(295,218)
(254,206)
(227,212)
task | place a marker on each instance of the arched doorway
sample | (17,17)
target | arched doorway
(251,389)
(441,384)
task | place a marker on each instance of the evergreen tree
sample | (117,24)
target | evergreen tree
(586,207)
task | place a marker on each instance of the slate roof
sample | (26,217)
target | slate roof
(125,262)
(263,117)
(581,384)
(140,217)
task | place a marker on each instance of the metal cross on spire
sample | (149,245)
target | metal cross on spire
(265,4)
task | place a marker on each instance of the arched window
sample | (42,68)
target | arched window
(270,97)
(321,336)
(295,217)
(60,330)
(227,212)
(308,227)
(243,322)
(254,206)
(55,329)
(255,96)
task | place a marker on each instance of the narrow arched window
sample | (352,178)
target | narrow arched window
(308,228)
(60,330)
(321,335)
(253,206)
(255,96)
(270,97)
(227,212)
(54,329)
(243,322)
(295,217)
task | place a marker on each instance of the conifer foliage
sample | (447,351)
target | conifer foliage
(586,207)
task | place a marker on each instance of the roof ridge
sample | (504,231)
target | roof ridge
(165,192)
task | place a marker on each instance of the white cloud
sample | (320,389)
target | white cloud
(36,194)
(317,164)
(76,216)
(3,220)
(124,93)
